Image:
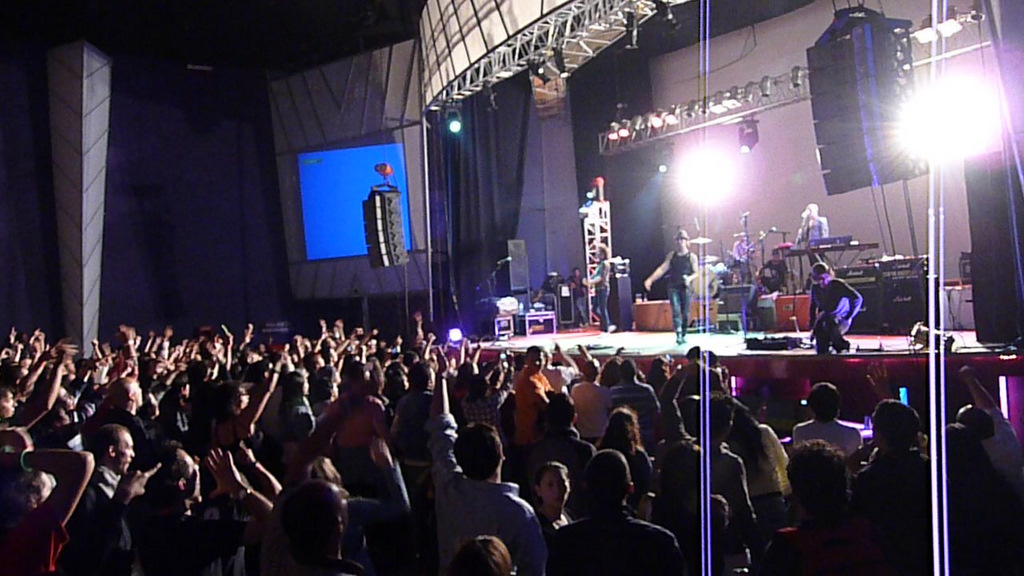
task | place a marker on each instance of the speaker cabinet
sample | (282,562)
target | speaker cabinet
(565,303)
(904,299)
(382,223)
(867,281)
(518,267)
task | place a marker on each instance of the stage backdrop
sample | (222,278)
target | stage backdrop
(781,175)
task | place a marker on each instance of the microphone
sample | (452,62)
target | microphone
(773,229)
(505,260)
(745,215)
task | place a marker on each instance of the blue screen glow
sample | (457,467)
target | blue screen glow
(333,185)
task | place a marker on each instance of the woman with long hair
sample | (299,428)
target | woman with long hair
(623,434)
(765,461)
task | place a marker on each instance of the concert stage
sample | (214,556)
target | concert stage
(782,378)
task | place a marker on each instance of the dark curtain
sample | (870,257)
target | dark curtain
(482,170)
(30,295)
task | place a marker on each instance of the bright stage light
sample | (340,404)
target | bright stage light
(662,168)
(952,119)
(455,335)
(454,121)
(706,175)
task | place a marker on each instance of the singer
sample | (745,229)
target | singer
(812,226)
(681,267)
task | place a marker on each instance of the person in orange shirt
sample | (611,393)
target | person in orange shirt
(531,399)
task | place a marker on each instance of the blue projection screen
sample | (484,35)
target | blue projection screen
(333,185)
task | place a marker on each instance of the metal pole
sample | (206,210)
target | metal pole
(910,220)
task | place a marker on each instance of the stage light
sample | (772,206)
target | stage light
(691,109)
(672,118)
(454,121)
(656,120)
(952,119)
(796,77)
(625,129)
(537,69)
(766,86)
(731,99)
(613,131)
(455,335)
(706,175)
(748,135)
(949,27)
(563,72)
(591,194)
(717,106)
(665,11)
(638,123)
(662,168)
(632,31)
(750,91)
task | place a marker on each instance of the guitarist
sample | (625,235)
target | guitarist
(836,303)
(680,266)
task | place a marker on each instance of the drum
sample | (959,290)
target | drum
(706,284)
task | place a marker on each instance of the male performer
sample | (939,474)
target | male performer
(837,303)
(601,280)
(813,226)
(681,267)
(774,273)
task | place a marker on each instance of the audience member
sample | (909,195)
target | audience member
(630,391)
(471,499)
(481,556)
(623,435)
(765,461)
(551,489)
(987,421)
(824,402)
(593,401)
(610,540)
(894,490)
(828,540)
(562,444)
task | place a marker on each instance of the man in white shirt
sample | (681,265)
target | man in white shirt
(560,376)
(593,401)
(824,401)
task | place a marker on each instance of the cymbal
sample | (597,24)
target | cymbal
(709,259)
(700,240)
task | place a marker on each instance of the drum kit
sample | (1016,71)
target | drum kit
(735,266)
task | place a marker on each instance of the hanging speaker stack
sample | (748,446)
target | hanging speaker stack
(382,221)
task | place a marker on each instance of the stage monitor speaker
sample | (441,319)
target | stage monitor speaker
(867,281)
(519,266)
(385,235)
(860,71)
(995,213)
(904,299)
(733,299)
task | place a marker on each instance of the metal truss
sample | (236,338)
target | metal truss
(597,230)
(579,29)
(737,103)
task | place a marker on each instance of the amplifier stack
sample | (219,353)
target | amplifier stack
(894,295)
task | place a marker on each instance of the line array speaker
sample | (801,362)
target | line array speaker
(385,235)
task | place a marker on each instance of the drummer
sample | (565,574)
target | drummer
(680,265)
(772,276)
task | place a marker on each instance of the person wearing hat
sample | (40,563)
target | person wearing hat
(680,266)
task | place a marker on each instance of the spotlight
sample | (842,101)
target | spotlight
(718,103)
(537,69)
(632,30)
(949,27)
(662,168)
(625,129)
(638,123)
(672,118)
(455,335)
(796,77)
(706,175)
(750,91)
(925,34)
(691,109)
(656,120)
(930,127)
(731,100)
(613,131)
(766,86)
(563,72)
(748,135)
(591,194)
(453,118)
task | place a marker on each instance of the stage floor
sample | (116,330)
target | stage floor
(786,376)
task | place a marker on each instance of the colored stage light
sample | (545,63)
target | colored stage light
(624,129)
(455,335)
(952,119)
(656,120)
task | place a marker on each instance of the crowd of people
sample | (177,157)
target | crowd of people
(343,453)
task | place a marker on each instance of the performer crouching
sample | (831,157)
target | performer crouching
(837,303)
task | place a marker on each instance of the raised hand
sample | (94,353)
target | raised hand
(222,467)
(133,484)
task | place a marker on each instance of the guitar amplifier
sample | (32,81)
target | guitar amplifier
(565,304)
(867,281)
(903,294)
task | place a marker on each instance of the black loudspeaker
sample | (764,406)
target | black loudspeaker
(385,234)
(867,281)
(904,294)
(996,215)
(565,304)
(623,296)
(860,73)
(519,266)
(733,297)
